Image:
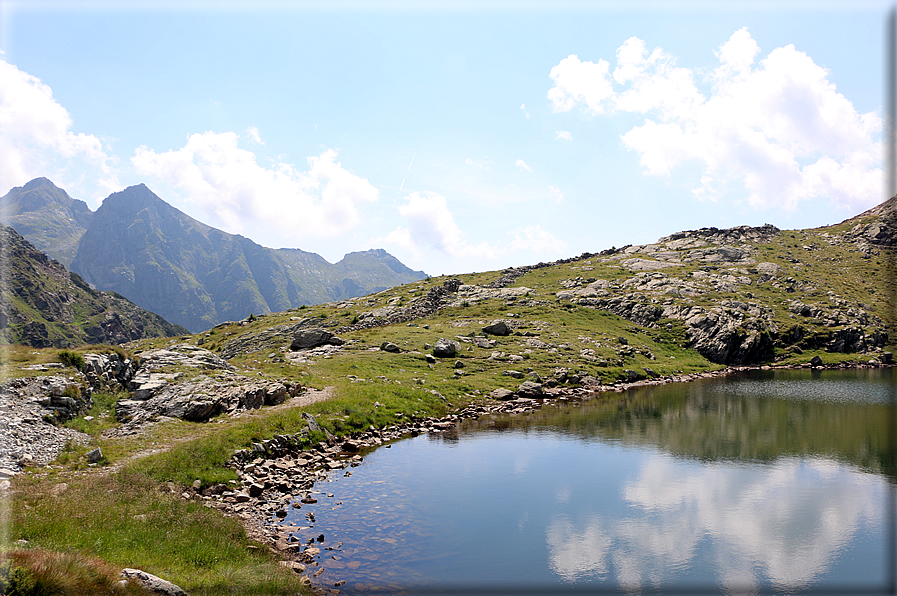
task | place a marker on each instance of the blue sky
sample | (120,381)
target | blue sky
(457,136)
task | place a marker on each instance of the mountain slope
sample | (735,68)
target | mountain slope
(43,305)
(198,276)
(690,301)
(47,216)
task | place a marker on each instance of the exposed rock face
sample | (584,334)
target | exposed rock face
(198,276)
(162,388)
(43,305)
(421,307)
(30,410)
(741,330)
(203,398)
(882,231)
(269,339)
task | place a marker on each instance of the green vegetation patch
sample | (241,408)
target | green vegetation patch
(129,520)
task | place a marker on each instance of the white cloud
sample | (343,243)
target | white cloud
(576,81)
(36,137)
(430,226)
(556,193)
(213,172)
(563,135)
(253,133)
(779,129)
(522,165)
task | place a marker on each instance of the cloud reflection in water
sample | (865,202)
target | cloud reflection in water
(780,524)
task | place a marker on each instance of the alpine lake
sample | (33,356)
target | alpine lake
(760,482)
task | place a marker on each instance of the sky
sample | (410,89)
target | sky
(459,137)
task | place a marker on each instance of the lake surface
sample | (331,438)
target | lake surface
(765,482)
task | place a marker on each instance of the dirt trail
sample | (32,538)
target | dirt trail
(306,398)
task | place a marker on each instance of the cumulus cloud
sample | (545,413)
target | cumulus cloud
(36,137)
(222,178)
(777,128)
(563,135)
(430,226)
(522,165)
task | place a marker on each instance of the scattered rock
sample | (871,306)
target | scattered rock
(153,583)
(497,328)
(94,456)
(530,390)
(446,348)
(312,338)
(501,394)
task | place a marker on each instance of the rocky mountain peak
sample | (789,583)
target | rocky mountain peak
(44,213)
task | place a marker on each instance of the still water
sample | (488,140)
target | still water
(766,482)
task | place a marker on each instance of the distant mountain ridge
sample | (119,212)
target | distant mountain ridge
(190,273)
(48,217)
(43,305)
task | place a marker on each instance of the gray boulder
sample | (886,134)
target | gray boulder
(499,328)
(313,338)
(388,346)
(529,389)
(446,348)
(151,582)
(501,393)
(482,342)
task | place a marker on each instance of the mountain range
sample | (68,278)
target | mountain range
(194,275)
(43,305)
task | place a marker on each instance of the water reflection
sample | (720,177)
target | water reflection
(756,416)
(781,524)
(719,484)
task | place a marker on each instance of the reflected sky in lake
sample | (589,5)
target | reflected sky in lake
(781,525)
(624,494)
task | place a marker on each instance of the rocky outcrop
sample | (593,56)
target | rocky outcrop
(424,306)
(43,305)
(313,338)
(270,339)
(30,412)
(202,398)
(191,383)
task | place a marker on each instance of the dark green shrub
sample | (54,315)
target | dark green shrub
(16,581)
(73,359)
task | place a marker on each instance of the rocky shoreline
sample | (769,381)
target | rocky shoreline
(276,476)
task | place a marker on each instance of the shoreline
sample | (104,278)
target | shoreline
(279,476)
